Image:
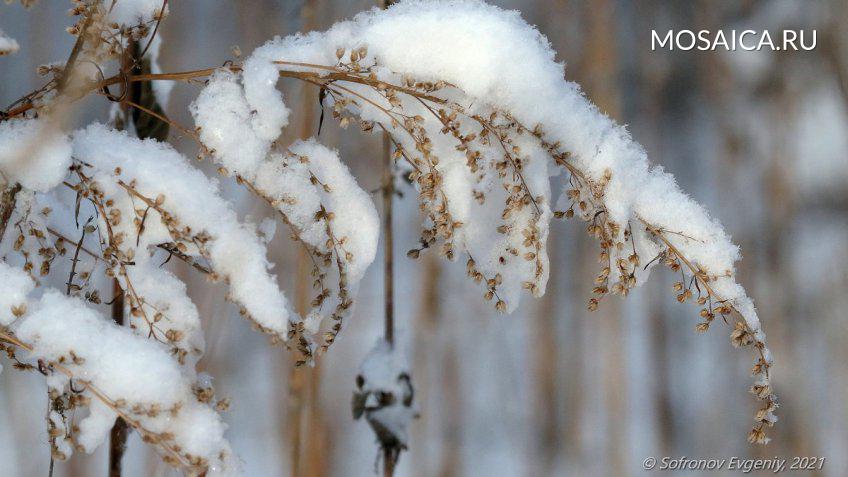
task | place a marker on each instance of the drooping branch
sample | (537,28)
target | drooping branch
(388,192)
(88,387)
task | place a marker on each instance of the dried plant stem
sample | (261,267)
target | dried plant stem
(340,75)
(117,446)
(120,430)
(388,258)
(164,119)
(173,251)
(758,345)
(661,234)
(388,462)
(335,74)
(389,455)
(703,280)
(296,392)
(77,49)
(7,205)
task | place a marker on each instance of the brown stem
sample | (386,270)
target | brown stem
(390,453)
(388,262)
(339,75)
(389,461)
(77,49)
(117,446)
(120,430)
(335,75)
(7,205)
(297,388)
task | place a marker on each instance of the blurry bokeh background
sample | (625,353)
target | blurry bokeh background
(761,138)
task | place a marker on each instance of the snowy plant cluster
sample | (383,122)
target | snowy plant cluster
(108,191)
(496,143)
(307,184)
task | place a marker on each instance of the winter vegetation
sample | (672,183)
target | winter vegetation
(478,119)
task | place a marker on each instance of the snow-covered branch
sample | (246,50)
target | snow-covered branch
(480,118)
(112,372)
(481,154)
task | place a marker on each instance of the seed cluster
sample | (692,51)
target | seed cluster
(330,258)
(586,198)
(619,257)
(104,39)
(118,253)
(33,242)
(474,135)
(98,40)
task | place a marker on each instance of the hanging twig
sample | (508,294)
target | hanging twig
(390,454)
(388,262)
(75,260)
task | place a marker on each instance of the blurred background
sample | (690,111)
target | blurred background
(758,137)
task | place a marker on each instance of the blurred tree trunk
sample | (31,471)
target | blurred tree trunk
(304,420)
(601,72)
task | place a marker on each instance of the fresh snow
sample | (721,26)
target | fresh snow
(136,373)
(234,249)
(34,153)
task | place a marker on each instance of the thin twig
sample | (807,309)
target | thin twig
(388,239)
(75,260)
(703,280)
